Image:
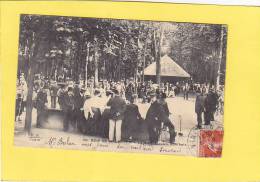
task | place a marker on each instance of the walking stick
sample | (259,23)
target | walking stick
(180,133)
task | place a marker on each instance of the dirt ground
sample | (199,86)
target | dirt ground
(182,115)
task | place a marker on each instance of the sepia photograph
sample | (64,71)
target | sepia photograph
(117,85)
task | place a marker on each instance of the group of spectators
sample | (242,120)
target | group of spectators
(207,103)
(110,109)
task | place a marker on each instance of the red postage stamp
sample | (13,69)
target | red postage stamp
(210,144)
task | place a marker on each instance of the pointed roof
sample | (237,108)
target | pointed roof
(168,68)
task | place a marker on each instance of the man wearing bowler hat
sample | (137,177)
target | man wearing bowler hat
(165,117)
(155,115)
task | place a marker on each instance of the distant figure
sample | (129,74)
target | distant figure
(167,89)
(18,103)
(24,93)
(171,92)
(61,96)
(53,94)
(200,105)
(186,91)
(131,118)
(129,90)
(142,95)
(117,109)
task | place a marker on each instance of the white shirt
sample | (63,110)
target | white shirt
(97,102)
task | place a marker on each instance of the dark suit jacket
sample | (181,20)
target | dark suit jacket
(117,110)
(41,99)
(200,103)
(132,115)
(211,102)
(156,114)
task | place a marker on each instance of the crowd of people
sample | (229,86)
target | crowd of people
(207,103)
(110,109)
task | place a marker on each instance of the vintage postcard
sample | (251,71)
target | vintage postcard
(120,85)
(129,91)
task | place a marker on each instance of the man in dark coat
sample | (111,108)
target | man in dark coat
(61,96)
(131,119)
(79,101)
(69,105)
(200,105)
(40,104)
(129,90)
(117,109)
(154,117)
(210,106)
(104,123)
(166,121)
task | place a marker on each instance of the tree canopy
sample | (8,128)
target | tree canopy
(82,48)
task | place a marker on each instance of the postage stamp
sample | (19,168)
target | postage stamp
(211,143)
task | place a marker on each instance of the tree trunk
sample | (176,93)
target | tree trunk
(26,60)
(119,64)
(86,66)
(56,73)
(160,55)
(96,68)
(157,59)
(145,47)
(220,57)
(29,101)
(95,61)
(52,68)
(31,72)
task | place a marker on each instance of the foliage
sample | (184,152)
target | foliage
(118,49)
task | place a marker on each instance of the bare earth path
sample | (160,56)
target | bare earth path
(56,138)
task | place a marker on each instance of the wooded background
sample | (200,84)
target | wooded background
(91,48)
(113,49)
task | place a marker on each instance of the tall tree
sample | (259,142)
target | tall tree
(33,31)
